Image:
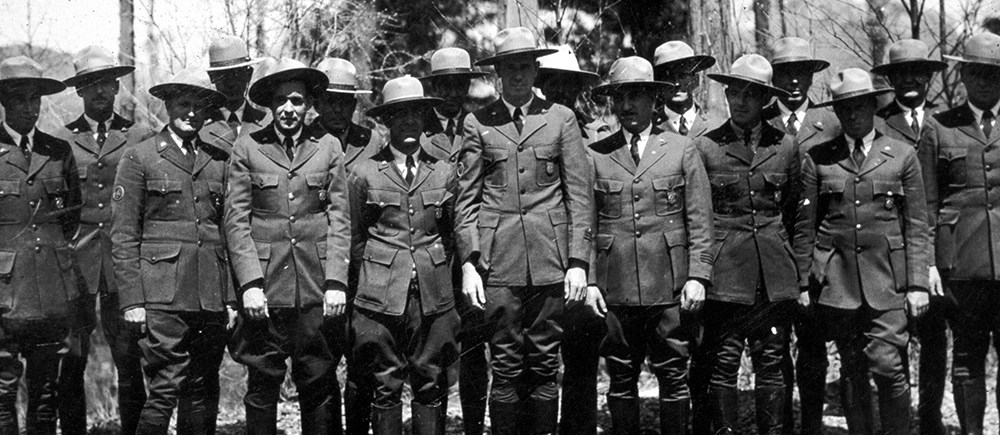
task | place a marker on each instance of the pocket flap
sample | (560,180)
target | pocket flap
(7,262)
(947,216)
(824,241)
(163,186)
(558,216)
(263,179)
(380,254)
(895,242)
(437,254)
(548,152)
(668,183)
(383,198)
(723,179)
(775,178)
(157,252)
(215,187)
(676,238)
(610,186)
(321,249)
(495,154)
(263,250)
(55,185)
(832,186)
(433,196)
(10,187)
(317,180)
(953,153)
(721,234)
(604,241)
(488,219)
(82,170)
(887,187)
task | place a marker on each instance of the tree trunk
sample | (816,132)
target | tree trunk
(126,54)
(709,26)
(520,13)
(762,26)
(916,12)
(784,21)
(876,30)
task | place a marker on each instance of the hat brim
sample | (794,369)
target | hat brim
(165,91)
(691,64)
(531,52)
(111,72)
(922,65)
(46,86)
(250,62)
(394,106)
(815,65)
(731,80)
(873,93)
(610,89)
(546,73)
(316,83)
(980,61)
(348,91)
(455,73)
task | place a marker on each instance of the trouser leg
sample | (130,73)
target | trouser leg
(624,350)
(580,356)
(810,372)
(73,405)
(123,341)
(199,402)
(971,346)
(314,371)
(473,377)
(932,333)
(263,346)
(165,361)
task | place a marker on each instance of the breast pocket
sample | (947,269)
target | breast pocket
(265,195)
(317,184)
(669,193)
(608,194)
(434,201)
(725,191)
(56,189)
(774,183)
(546,165)
(495,167)
(888,196)
(386,201)
(216,195)
(163,199)
(831,195)
(955,168)
(10,197)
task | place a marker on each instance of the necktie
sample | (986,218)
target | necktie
(748,141)
(518,120)
(790,126)
(682,128)
(914,122)
(450,130)
(25,146)
(189,152)
(289,144)
(410,170)
(988,118)
(102,134)
(858,154)
(634,148)
(233,119)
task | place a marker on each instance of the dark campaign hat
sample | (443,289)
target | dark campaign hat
(909,54)
(286,70)
(20,70)
(189,82)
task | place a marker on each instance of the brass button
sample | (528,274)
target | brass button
(637,181)
(200,242)
(413,248)
(412,212)
(197,221)
(31,181)
(291,175)
(858,226)
(196,198)
(413,230)
(857,180)
(294,241)
(38,249)
(291,218)
(638,234)
(637,215)
(520,148)
(100,205)
(100,225)
(521,170)
(291,196)
(100,185)
(100,165)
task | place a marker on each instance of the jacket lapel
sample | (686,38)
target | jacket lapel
(387,165)
(423,172)
(534,120)
(652,153)
(877,156)
(621,154)
(82,135)
(117,135)
(40,152)
(306,149)
(735,147)
(267,143)
(14,156)
(171,152)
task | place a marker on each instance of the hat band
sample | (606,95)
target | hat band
(454,70)
(790,59)
(228,62)
(907,59)
(979,59)
(95,69)
(342,87)
(752,80)
(853,94)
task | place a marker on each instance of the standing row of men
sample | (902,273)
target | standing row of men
(523,226)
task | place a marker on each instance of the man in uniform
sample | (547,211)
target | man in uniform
(231,68)
(98,138)
(960,158)
(754,171)
(523,220)
(336,111)
(653,255)
(862,247)
(404,322)
(40,211)
(675,62)
(562,82)
(909,71)
(287,225)
(170,258)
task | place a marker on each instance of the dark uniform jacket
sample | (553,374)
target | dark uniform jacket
(754,199)
(818,126)
(358,143)
(287,222)
(702,123)
(524,200)
(222,133)
(167,210)
(591,130)
(962,178)
(654,221)
(435,141)
(97,166)
(39,214)
(397,229)
(896,125)
(862,232)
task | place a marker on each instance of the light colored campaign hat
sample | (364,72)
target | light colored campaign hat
(189,81)
(515,42)
(983,48)
(452,61)
(343,76)
(95,63)
(21,70)
(287,69)
(851,83)
(750,69)
(629,72)
(909,54)
(400,92)
(796,51)
(229,52)
(563,61)
(678,55)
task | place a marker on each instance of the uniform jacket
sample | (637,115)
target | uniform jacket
(358,144)
(524,200)
(398,228)
(862,232)
(654,221)
(97,167)
(436,142)
(591,130)
(39,213)
(287,223)
(896,126)
(222,133)
(754,200)
(818,126)
(701,125)
(962,178)
(169,249)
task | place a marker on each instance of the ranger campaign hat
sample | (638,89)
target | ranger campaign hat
(749,69)
(796,51)
(21,70)
(678,55)
(909,54)
(515,42)
(285,70)
(563,62)
(402,92)
(343,76)
(229,52)
(630,72)
(95,63)
(983,48)
(851,83)
(452,62)
(189,81)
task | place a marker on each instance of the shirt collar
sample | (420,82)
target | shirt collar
(754,132)
(643,135)
(511,107)
(17,136)
(400,158)
(239,112)
(907,109)
(688,115)
(444,119)
(93,124)
(800,113)
(180,142)
(295,137)
(867,141)
(978,113)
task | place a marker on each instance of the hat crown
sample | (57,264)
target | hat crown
(227,49)
(20,67)
(672,50)
(908,49)
(630,69)
(340,72)
(984,47)
(851,81)
(192,77)
(285,64)
(401,89)
(752,67)
(93,58)
(791,49)
(450,58)
(564,59)
(514,39)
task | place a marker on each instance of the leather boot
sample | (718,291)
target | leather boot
(970,404)
(504,417)
(674,416)
(428,419)
(895,414)
(387,421)
(856,400)
(724,409)
(769,403)
(358,407)
(624,416)
(147,428)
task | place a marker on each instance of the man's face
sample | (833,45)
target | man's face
(856,115)
(453,90)
(517,76)
(794,79)
(910,84)
(289,104)
(232,82)
(22,105)
(634,108)
(336,110)
(686,82)
(562,89)
(746,103)
(981,84)
(405,127)
(99,96)
(187,114)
